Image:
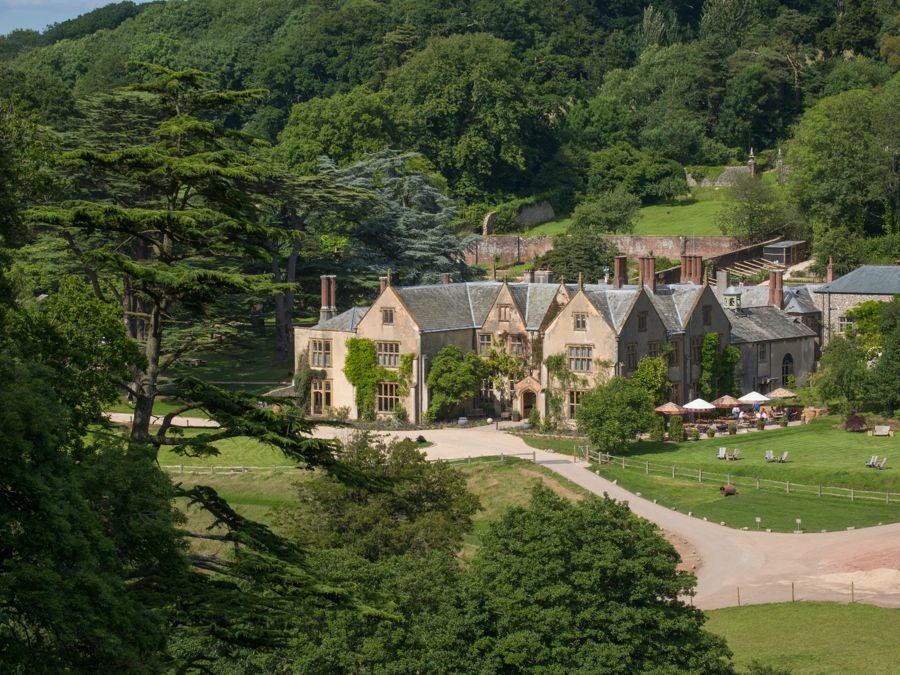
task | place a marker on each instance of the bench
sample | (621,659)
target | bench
(882,430)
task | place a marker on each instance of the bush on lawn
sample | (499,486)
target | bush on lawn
(676,430)
(855,423)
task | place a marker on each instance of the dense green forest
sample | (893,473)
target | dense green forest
(563,101)
(175,172)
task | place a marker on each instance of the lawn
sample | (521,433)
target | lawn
(777,511)
(162,406)
(820,453)
(239,451)
(811,637)
(691,215)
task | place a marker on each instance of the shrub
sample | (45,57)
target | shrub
(855,423)
(695,435)
(341,413)
(676,430)
(732,428)
(711,431)
(783,422)
(534,417)
(658,429)
(760,425)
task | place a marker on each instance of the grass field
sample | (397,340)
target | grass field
(691,215)
(820,454)
(240,451)
(814,637)
(162,406)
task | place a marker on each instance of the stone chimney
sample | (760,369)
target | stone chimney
(685,276)
(327,308)
(528,276)
(382,284)
(543,276)
(751,163)
(445,278)
(620,271)
(647,272)
(829,271)
(723,281)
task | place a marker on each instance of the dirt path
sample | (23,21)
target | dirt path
(761,566)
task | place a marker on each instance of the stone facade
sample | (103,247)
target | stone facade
(835,306)
(601,330)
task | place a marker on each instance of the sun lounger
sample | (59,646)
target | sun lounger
(722,453)
(881,464)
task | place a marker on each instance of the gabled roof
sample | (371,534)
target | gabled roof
(764,324)
(534,301)
(867,280)
(674,303)
(614,304)
(345,321)
(447,306)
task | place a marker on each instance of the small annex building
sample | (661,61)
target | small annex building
(837,297)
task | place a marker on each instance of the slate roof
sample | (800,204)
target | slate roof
(612,303)
(534,301)
(345,321)
(441,307)
(796,299)
(674,302)
(867,280)
(764,324)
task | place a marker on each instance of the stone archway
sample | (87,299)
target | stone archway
(529,401)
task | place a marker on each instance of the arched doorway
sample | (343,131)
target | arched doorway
(529,401)
(787,368)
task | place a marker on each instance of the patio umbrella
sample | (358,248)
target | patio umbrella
(671,409)
(753,397)
(781,392)
(699,404)
(726,402)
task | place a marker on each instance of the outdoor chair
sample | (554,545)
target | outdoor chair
(722,453)
(873,461)
(770,456)
(734,455)
(882,430)
(881,464)
(783,458)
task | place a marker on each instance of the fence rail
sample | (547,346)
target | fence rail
(491,459)
(702,475)
(223,470)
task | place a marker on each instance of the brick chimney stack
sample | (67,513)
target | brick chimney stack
(776,290)
(382,284)
(685,275)
(829,271)
(647,271)
(620,271)
(327,308)
(445,278)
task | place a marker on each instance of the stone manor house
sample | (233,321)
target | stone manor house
(601,329)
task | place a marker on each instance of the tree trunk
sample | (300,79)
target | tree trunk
(284,304)
(145,381)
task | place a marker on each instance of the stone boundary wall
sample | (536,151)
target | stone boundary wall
(512,249)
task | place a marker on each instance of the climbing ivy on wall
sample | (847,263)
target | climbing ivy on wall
(364,372)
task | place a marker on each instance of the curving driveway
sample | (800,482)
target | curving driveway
(757,566)
(735,566)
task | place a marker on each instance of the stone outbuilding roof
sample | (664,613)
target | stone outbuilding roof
(795,299)
(867,280)
(344,322)
(765,324)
